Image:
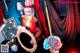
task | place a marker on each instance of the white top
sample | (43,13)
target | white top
(29,12)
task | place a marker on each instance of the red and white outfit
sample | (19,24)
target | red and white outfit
(28,20)
(29,12)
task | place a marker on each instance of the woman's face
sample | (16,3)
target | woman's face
(29,11)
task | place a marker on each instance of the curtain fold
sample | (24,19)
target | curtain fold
(64,17)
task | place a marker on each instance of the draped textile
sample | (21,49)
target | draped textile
(41,16)
(1,13)
(65,18)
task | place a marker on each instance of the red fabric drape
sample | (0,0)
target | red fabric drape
(41,16)
(71,22)
(1,15)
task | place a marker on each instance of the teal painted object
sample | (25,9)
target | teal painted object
(12,11)
(46,46)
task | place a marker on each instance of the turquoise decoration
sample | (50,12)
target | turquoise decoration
(46,45)
(50,42)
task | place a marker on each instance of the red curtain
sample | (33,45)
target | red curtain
(1,15)
(71,22)
(41,16)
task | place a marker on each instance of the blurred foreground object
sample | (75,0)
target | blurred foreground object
(8,30)
(53,43)
(22,29)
